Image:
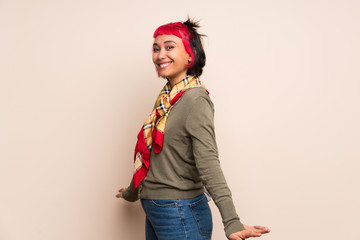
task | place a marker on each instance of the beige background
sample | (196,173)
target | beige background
(77,82)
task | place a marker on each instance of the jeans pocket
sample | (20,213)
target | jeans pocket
(202,215)
(165,203)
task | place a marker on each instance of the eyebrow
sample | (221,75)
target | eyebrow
(168,41)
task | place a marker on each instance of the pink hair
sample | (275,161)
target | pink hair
(181,31)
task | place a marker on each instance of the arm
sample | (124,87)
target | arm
(128,194)
(200,125)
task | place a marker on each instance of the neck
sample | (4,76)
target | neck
(175,80)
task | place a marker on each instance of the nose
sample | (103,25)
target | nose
(161,54)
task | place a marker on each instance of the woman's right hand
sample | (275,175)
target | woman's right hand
(119,195)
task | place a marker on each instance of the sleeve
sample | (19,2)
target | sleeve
(129,194)
(200,126)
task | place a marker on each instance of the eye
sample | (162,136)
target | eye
(156,49)
(169,47)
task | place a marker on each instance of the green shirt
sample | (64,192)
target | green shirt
(189,160)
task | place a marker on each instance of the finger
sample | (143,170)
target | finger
(262,229)
(234,236)
(255,234)
(251,232)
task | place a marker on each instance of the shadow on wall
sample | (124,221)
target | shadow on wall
(132,220)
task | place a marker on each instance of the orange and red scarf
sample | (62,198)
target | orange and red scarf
(151,134)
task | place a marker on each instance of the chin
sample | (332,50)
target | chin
(163,75)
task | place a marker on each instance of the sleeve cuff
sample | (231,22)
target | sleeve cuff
(130,195)
(234,227)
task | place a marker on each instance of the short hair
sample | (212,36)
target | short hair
(192,41)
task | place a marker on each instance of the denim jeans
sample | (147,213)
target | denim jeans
(178,219)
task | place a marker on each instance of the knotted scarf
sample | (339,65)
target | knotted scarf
(152,132)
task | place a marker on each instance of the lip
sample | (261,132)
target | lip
(164,64)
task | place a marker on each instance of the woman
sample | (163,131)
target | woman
(178,137)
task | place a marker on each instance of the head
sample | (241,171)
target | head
(178,45)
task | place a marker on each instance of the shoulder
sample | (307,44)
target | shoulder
(200,110)
(197,96)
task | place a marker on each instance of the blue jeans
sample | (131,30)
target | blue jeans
(178,219)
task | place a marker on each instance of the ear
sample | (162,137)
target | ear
(189,57)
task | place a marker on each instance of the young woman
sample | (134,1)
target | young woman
(176,154)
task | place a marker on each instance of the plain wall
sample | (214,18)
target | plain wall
(77,82)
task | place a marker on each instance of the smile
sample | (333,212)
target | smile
(164,65)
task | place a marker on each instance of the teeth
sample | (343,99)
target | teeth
(164,65)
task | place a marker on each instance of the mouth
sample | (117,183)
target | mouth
(164,64)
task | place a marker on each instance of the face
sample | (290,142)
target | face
(170,58)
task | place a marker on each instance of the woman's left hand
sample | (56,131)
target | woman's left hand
(255,231)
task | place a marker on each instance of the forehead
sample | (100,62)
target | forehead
(161,39)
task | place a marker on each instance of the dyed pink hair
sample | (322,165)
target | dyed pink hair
(181,31)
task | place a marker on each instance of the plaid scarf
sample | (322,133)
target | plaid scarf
(151,134)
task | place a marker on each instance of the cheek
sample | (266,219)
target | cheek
(154,58)
(184,56)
